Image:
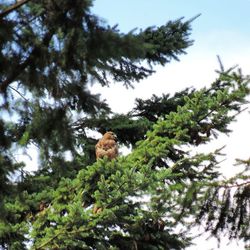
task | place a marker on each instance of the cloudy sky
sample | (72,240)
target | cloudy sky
(222,29)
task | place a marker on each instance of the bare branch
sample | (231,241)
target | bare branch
(13,7)
(235,185)
(19,93)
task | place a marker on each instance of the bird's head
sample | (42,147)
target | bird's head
(110,136)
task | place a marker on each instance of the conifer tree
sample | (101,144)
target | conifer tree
(51,51)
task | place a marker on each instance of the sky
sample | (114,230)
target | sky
(222,29)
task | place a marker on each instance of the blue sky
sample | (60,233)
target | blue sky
(222,29)
(216,15)
(223,24)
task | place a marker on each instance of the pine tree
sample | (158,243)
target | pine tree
(51,51)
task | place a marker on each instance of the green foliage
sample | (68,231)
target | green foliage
(103,205)
(50,52)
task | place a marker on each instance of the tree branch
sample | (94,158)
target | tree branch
(235,185)
(19,93)
(19,68)
(50,239)
(13,7)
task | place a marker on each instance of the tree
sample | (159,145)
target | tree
(50,52)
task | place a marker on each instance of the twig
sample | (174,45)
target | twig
(19,93)
(240,111)
(235,185)
(13,7)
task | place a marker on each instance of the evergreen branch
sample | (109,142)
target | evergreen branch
(63,230)
(13,7)
(51,239)
(18,70)
(215,109)
(14,74)
(120,186)
(210,112)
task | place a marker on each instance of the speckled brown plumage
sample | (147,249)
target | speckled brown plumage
(107,146)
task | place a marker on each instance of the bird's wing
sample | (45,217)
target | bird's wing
(107,148)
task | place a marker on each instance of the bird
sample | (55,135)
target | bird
(107,146)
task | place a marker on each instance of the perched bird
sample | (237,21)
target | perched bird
(107,146)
